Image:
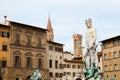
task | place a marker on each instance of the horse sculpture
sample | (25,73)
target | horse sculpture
(35,75)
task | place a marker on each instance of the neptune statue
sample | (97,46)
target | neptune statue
(91,70)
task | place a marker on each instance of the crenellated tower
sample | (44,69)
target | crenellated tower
(77,42)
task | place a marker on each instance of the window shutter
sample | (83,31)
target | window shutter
(8,35)
(0,33)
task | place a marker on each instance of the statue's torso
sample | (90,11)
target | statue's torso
(90,35)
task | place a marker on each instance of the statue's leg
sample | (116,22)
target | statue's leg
(92,57)
(88,61)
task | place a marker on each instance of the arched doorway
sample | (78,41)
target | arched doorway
(17,79)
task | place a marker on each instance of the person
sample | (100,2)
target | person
(90,46)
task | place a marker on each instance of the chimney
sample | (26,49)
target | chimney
(5,20)
(5,17)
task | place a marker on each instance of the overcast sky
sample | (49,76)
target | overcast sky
(67,16)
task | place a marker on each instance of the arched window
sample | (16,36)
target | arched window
(110,67)
(17,62)
(110,55)
(115,54)
(29,62)
(105,56)
(75,43)
(115,67)
(106,68)
(39,63)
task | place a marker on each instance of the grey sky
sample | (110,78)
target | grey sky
(67,16)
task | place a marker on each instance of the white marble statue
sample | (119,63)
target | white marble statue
(90,46)
(91,70)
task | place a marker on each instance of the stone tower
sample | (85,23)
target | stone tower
(50,35)
(77,42)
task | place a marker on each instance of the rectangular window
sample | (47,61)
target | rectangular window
(114,43)
(17,38)
(50,74)
(56,49)
(39,42)
(29,40)
(78,66)
(73,74)
(50,63)
(104,45)
(61,75)
(73,66)
(68,66)
(51,48)
(39,63)
(4,63)
(119,42)
(64,65)
(4,47)
(61,66)
(8,35)
(29,62)
(4,34)
(56,64)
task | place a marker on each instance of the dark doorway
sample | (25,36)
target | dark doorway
(28,78)
(17,79)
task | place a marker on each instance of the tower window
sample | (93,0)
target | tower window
(75,43)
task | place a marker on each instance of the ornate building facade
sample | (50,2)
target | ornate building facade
(111,58)
(27,51)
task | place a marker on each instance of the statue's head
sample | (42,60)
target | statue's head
(88,23)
